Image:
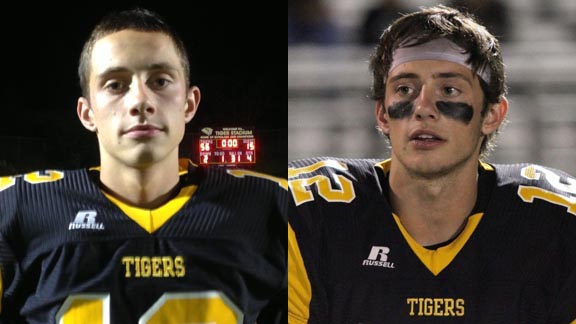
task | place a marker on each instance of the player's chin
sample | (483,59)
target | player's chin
(428,165)
(143,154)
(429,172)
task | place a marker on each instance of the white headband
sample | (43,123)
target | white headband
(440,49)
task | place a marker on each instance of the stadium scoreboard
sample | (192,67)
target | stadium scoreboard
(227,146)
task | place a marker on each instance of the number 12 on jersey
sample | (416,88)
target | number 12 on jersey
(207,307)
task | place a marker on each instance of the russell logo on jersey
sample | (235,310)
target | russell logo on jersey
(86,220)
(378,257)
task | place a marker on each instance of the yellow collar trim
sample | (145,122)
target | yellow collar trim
(152,219)
(437,260)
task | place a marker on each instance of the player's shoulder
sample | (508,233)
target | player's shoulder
(353,168)
(257,177)
(242,178)
(540,189)
(42,179)
(331,181)
(36,188)
(534,175)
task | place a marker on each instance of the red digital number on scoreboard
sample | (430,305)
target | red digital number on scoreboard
(228,146)
(227,143)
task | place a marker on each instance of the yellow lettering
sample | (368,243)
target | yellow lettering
(428,306)
(137,266)
(145,266)
(154,266)
(435,307)
(156,271)
(128,261)
(168,266)
(411,302)
(438,307)
(449,307)
(420,304)
(179,265)
(459,307)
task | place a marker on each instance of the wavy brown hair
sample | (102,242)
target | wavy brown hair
(443,22)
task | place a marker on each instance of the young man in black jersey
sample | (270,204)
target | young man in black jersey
(432,234)
(144,237)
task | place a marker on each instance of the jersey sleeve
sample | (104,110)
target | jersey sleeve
(564,310)
(302,227)
(317,187)
(8,266)
(300,291)
(550,194)
(275,312)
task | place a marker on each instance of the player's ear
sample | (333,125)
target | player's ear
(494,116)
(85,114)
(192,102)
(382,117)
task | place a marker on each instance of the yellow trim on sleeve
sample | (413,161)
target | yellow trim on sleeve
(486,166)
(299,288)
(240,173)
(294,172)
(384,165)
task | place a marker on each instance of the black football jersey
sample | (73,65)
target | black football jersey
(215,253)
(351,261)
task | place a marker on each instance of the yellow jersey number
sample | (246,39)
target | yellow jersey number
(207,307)
(32,177)
(340,189)
(535,172)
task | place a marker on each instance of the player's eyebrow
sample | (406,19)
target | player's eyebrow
(111,70)
(447,75)
(403,76)
(152,67)
(162,66)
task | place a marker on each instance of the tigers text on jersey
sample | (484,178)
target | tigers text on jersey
(351,261)
(215,253)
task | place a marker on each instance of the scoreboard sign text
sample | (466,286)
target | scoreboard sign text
(227,146)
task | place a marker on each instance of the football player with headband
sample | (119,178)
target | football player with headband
(432,234)
(146,237)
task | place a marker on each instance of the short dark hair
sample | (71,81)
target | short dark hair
(443,22)
(138,19)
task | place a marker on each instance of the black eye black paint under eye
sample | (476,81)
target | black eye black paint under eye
(402,109)
(455,110)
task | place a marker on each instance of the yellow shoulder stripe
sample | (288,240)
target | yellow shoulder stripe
(240,173)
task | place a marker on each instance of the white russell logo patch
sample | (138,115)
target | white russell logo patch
(86,219)
(378,257)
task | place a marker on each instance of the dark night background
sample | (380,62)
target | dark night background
(241,74)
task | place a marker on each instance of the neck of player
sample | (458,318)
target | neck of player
(435,210)
(146,186)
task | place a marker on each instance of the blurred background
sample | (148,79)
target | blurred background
(240,76)
(329,44)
